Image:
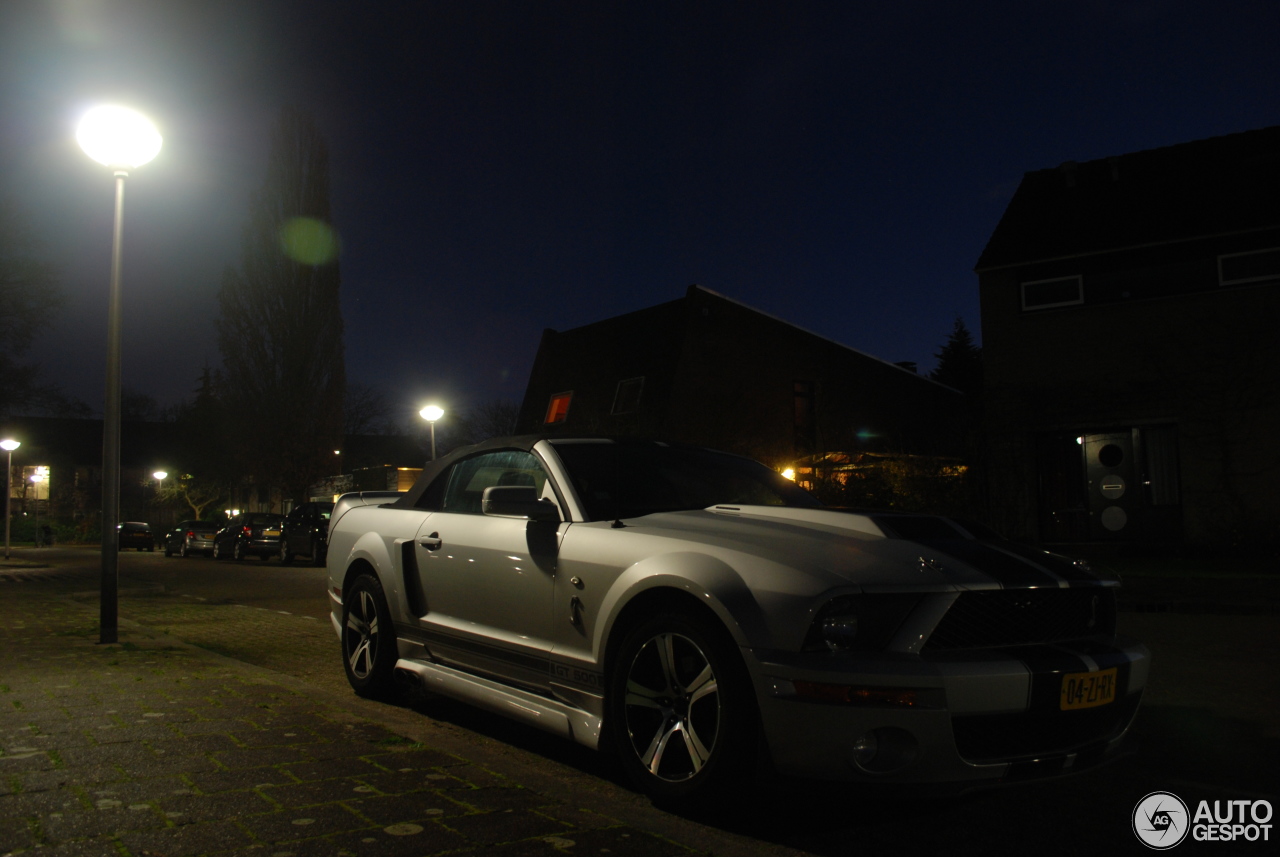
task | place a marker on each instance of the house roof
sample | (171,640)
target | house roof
(1218,186)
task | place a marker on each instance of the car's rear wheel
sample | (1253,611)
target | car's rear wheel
(368,639)
(285,556)
(182,551)
(681,709)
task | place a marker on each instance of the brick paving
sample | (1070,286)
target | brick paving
(155,746)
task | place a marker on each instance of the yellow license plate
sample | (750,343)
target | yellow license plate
(277,532)
(1087,690)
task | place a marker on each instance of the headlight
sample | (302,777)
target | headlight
(858,622)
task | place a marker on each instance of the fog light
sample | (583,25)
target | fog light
(864,750)
(884,751)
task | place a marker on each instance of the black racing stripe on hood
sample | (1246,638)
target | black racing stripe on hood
(1010,571)
(1059,565)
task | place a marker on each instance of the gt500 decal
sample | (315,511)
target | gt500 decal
(566,674)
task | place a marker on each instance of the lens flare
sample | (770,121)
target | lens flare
(309,241)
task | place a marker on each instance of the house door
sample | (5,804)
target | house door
(1114,494)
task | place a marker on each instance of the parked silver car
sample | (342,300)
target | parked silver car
(694,607)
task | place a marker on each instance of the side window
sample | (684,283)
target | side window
(469,478)
(433,498)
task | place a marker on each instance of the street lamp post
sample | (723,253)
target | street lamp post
(431,413)
(121,139)
(8,446)
(159,477)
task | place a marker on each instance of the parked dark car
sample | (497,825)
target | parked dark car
(190,537)
(306,533)
(249,534)
(135,534)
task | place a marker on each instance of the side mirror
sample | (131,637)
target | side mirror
(517,501)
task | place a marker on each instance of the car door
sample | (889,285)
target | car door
(485,582)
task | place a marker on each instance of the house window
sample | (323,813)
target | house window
(627,398)
(1254,267)
(558,409)
(1045,294)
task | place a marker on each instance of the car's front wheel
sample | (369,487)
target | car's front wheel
(368,639)
(182,551)
(168,551)
(681,709)
(237,552)
(286,556)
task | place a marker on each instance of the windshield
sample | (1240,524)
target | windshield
(629,479)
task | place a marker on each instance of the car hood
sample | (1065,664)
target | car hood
(853,548)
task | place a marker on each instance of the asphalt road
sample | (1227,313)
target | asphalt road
(1209,728)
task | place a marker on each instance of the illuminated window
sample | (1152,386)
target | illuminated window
(1044,294)
(558,410)
(627,398)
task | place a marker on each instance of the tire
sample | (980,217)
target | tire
(368,639)
(182,551)
(217,551)
(168,551)
(237,552)
(681,710)
(285,556)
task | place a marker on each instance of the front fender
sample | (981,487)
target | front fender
(713,582)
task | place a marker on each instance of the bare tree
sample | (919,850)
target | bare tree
(280,328)
(367,410)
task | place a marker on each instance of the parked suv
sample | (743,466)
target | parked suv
(306,533)
(249,534)
(190,537)
(135,534)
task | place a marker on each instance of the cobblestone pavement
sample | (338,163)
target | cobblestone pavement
(153,746)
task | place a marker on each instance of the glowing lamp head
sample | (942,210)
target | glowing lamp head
(9,445)
(160,474)
(431,413)
(118,137)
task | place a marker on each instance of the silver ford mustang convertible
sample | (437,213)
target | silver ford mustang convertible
(693,610)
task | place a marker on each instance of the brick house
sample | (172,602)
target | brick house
(708,370)
(1129,325)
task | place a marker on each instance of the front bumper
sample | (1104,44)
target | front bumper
(971,718)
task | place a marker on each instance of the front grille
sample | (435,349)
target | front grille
(1024,617)
(1013,737)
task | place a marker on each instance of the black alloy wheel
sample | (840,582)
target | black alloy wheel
(368,639)
(237,551)
(681,710)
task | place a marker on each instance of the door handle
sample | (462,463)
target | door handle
(431,542)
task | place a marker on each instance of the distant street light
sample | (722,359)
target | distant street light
(8,446)
(36,479)
(159,476)
(431,413)
(121,139)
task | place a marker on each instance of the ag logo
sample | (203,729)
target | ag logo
(1161,820)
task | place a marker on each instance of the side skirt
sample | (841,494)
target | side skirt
(539,711)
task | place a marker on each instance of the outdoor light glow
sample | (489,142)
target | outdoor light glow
(160,474)
(118,137)
(431,413)
(9,445)
(789,474)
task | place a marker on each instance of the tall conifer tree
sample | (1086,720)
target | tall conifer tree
(280,324)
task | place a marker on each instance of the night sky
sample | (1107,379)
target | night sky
(502,167)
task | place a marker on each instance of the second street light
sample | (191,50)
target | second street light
(121,139)
(8,446)
(431,413)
